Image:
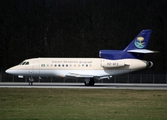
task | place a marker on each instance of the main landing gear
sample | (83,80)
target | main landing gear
(31,79)
(89,82)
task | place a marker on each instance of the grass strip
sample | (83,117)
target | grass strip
(82,104)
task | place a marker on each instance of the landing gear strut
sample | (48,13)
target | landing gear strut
(89,82)
(31,80)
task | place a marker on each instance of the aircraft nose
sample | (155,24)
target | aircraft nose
(8,71)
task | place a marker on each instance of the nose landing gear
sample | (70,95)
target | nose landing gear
(31,79)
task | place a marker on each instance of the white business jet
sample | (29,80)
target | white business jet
(111,62)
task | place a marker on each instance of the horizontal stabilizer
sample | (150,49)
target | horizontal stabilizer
(145,51)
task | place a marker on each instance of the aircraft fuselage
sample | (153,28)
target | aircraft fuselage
(61,67)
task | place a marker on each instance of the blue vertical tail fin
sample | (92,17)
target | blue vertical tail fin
(136,49)
(140,41)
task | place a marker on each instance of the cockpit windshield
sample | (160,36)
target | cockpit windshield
(24,63)
(21,63)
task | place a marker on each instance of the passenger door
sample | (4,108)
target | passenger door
(36,68)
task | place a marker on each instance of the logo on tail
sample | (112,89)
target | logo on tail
(139,42)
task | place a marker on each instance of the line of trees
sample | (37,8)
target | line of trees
(78,28)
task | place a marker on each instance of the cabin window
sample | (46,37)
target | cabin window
(86,65)
(42,65)
(59,65)
(55,65)
(66,65)
(63,65)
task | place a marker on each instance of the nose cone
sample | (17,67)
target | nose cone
(15,71)
(9,71)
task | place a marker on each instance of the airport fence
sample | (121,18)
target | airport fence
(143,76)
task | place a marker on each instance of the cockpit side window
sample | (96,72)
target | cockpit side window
(27,63)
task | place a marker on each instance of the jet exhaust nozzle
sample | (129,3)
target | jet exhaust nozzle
(149,64)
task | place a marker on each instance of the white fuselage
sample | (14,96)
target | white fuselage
(78,67)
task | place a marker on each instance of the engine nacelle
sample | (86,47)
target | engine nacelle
(112,64)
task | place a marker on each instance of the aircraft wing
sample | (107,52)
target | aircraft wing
(74,75)
(79,75)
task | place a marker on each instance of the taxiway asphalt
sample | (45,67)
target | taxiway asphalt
(81,86)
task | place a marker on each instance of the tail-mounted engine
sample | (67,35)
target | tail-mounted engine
(112,64)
